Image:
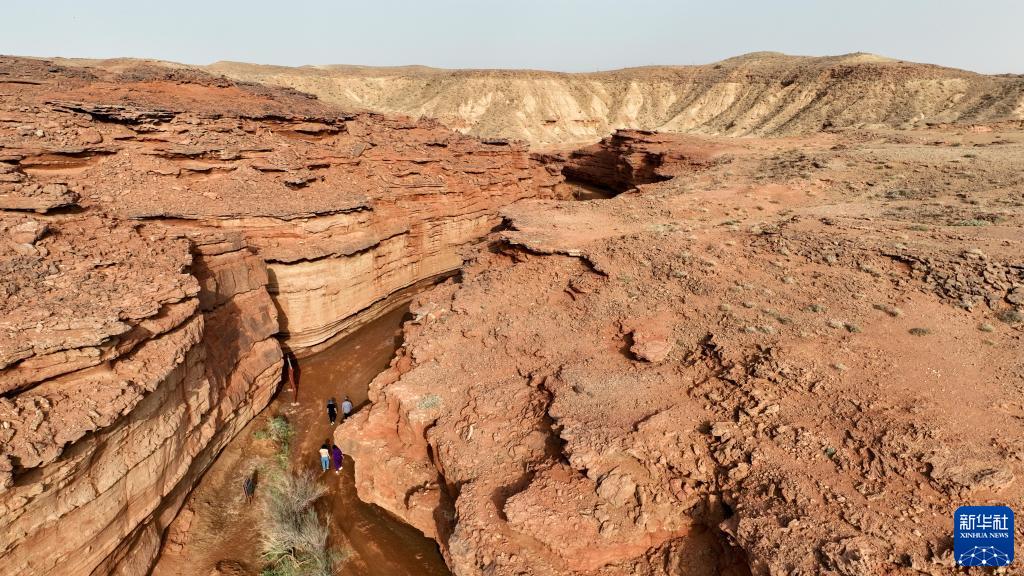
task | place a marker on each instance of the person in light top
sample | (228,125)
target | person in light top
(325,456)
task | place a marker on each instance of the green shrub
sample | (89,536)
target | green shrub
(280,431)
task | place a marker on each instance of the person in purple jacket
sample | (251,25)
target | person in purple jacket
(339,458)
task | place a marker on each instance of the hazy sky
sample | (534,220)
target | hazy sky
(570,35)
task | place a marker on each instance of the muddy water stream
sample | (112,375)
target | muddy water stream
(217,526)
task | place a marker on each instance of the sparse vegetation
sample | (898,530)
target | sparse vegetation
(280,431)
(890,310)
(1010,316)
(429,401)
(971,222)
(920,331)
(293,537)
(986,327)
(780,318)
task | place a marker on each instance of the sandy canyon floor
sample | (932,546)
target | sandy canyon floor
(762,355)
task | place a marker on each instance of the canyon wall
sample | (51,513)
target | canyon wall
(123,375)
(164,233)
(755,94)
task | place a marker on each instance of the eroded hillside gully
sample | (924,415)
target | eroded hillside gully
(217,528)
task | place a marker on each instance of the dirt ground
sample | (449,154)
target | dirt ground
(216,525)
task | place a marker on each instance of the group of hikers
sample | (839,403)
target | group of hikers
(330,452)
(332,410)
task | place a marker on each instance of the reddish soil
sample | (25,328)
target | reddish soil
(809,347)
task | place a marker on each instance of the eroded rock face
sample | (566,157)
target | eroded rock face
(124,376)
(765,366)
(159,229)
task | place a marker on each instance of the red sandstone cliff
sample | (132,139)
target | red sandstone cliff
(159,230)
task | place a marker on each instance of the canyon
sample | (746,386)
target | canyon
(790,353)
(167,236)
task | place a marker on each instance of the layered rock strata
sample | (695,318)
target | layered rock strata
(163,232)
(755,94)
(131,356)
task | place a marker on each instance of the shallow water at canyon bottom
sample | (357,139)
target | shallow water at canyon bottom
(218,525)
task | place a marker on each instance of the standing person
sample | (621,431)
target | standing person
(346,408)
(332,410)
(339,458)
(325,456)
(291,367)
(249,487)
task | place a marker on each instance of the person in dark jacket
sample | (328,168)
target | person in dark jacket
(249,487)
(339,458)
(332,410)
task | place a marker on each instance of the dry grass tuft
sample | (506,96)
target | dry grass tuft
(890,310)
(293,538)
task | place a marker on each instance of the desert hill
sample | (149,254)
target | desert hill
(762,93)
